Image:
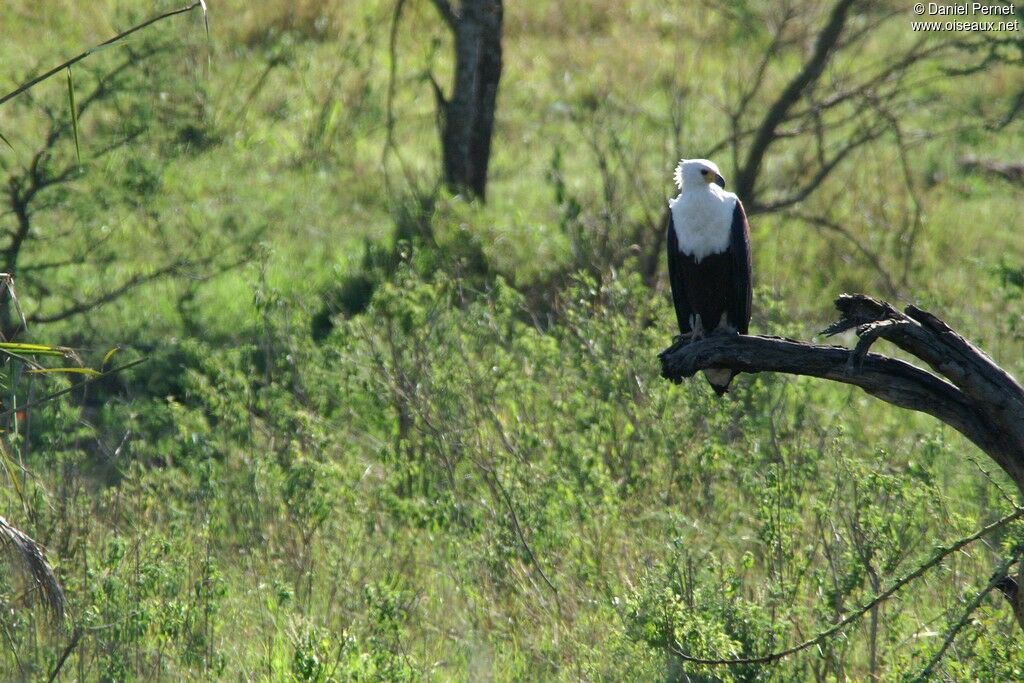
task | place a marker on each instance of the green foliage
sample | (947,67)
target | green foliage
(384,434)
(419,241)
(702,612)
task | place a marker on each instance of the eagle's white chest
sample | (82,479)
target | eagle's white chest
(702,218)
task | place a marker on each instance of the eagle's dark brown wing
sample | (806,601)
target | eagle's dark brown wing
(741,278)
(675,277)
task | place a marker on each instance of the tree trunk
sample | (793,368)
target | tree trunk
(468,114)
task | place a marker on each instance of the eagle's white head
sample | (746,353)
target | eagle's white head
(698,173)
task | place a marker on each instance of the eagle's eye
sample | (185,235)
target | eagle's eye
(704,171)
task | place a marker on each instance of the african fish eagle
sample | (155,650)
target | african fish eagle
(709,262)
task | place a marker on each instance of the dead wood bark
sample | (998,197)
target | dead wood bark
(1010,170)
(963,387)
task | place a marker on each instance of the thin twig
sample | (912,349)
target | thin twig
(992,480)
(79,307)
(76,636)
(951,635)
(522,537)
(79,57)
(389,111)
(68,390)
(871,257)
(863,609)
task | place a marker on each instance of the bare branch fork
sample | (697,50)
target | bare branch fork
(963,387)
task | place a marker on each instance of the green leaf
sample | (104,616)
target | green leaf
(74,115)
(72,371)
(12,470)
(110,354)
(33,349)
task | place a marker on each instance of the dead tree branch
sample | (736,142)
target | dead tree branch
(30,556)
(961,386)
(833,105)
(809,73)
(965,388)
(1012,171)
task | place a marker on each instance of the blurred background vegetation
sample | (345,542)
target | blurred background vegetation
(387,432)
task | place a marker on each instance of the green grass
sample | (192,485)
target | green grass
(482,476)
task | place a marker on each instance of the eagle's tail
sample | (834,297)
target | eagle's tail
(719,379)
